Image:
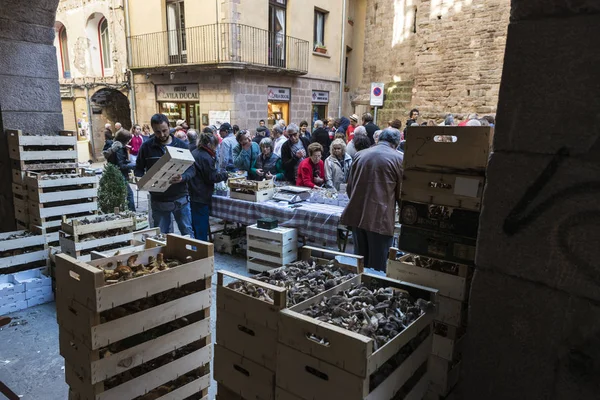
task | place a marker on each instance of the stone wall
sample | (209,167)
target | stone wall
(534,330)
(244,94)
(29,94)
(439,56)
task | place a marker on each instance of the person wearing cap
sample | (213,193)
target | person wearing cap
(183,124)
(375,184)
(261,133)
(227,145)
(351,127)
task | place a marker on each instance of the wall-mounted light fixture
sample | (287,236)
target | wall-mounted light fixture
(147,75)
(172,75)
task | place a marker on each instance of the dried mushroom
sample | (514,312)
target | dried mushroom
(380,314)
(133,270)
(302,280)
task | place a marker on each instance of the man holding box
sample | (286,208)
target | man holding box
(175,200)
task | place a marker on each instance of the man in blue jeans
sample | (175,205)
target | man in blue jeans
(202,185)
(175,199)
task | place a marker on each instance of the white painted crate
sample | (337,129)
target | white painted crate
(24,243)
(175,161)
(270,248)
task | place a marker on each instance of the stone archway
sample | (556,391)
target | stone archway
(108,106)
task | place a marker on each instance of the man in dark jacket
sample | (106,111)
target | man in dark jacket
(369,126)
(175,199)
(375,184)
(293,151)
(321,135)
(261,133)
(202,184)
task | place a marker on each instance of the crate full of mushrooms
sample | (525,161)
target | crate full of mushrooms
(365,338)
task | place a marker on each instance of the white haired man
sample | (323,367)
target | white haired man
(374,187)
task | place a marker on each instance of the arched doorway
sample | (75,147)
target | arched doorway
(108,106)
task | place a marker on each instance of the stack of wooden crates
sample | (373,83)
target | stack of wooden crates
(148,336)
(40,201)
(270,248)
(444,177)
(271,351)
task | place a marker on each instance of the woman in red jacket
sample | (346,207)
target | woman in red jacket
(311,170)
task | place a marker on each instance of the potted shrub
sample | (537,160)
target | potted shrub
(320,48)
(351,21)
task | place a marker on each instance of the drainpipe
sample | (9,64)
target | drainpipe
(90,124)
(342,58)
(129,61)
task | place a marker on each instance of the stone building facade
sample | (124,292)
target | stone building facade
(441,56)
(91,54)
(236,62)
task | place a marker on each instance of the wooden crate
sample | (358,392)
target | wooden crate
(34,153)
(41,215)
(225,243)
(19,191)
(443,374)
(247,325)
(446,189)
(270,248)
(427,150)
(428,243)
(175,161)
(21,211)
(82,298)
(243,183)
(256,197)
(448,285)
(223,393)
(77,187)
(440,218)
(343,366)
(27,252)
(447,341)
(242,376)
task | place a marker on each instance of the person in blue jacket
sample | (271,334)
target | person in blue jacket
(175,200)
(245,153)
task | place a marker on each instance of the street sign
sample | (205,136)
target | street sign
(376,94)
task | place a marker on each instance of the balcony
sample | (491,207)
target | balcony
(223,45)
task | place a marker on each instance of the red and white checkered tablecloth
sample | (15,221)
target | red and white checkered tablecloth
(317,222)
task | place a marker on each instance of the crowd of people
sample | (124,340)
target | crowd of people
(352,151)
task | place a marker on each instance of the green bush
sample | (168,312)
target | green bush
(112,191)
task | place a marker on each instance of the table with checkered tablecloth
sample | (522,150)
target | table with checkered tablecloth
(318,223)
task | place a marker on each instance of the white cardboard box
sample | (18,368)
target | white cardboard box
(34,301)
(11,299)
(13,307)
(38,291)
(32,279)
(8,285)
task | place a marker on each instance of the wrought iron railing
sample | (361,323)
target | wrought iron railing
(218,44)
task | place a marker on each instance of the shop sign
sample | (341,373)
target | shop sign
(320,97)
(217,118)
(177,92)
(279,94)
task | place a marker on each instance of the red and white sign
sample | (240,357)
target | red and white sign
(377,94)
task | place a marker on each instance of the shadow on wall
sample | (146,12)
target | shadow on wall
(108,106)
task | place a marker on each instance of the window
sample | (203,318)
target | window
(319,31)
(176,32)
(105,44)
(64,52)
(277,19)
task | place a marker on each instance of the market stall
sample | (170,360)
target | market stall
(317,223)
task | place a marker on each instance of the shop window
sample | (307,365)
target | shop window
(319,30)
(64,51)
(176,32)
(105,47)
